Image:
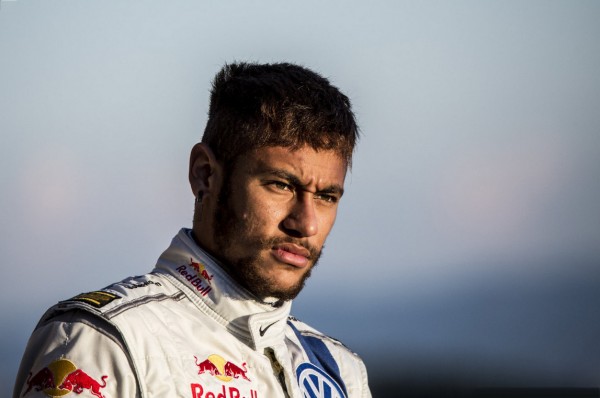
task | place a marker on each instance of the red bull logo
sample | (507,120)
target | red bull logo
(198,276)
(61,377)
(201,270)
(225,371)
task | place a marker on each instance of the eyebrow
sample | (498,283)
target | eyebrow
(333,189)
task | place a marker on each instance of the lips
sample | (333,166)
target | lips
(291,254)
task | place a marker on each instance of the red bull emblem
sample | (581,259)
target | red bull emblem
(198,276)
(201,270)
(225,371)
(61,377)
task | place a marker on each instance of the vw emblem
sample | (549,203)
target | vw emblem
(315,383)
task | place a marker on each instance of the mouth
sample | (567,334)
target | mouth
(291,254)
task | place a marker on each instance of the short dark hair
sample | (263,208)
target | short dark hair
(262,105)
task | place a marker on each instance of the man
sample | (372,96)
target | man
(212,319)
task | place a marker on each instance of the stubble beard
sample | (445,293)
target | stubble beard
(247,270)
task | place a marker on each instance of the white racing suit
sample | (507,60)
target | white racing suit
(184,330)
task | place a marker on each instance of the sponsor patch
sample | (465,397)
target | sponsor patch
(97,299)
(224,371)
(314,382)
(201,271)
(197,275)
(136,285)
(62,377)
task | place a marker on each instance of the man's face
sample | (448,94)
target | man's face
(276,208)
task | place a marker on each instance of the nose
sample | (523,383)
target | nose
(301,221)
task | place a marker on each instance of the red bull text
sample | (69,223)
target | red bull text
(198,278)
(199,392)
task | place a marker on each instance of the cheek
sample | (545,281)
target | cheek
(265,210)
(276,213)
(261,219)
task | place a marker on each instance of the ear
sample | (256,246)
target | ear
(205,171)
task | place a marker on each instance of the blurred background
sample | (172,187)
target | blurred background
(467,247)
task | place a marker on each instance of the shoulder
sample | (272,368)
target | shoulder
(308,331)
(117,298)
(69,345)
(350,366)
(80,335)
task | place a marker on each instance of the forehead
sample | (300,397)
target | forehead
(307,164)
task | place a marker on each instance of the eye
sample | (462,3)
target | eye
(280,185)
(327,198)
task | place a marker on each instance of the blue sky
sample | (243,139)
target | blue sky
(471,223)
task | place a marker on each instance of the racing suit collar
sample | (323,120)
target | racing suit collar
(207,284)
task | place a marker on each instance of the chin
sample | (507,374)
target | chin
(267,278)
